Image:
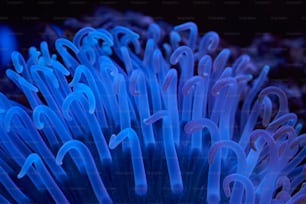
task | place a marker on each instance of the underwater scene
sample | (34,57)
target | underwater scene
(121,107)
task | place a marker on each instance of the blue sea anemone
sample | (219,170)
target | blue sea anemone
(147,116)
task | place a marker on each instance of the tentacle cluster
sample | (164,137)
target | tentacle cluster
(190,123)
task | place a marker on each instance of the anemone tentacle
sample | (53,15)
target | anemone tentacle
(190,118)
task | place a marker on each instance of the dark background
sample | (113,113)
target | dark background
(235,21)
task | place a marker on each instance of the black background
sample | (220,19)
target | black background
(235,21)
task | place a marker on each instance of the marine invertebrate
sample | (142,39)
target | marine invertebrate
(190,122)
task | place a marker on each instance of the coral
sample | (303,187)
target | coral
(148,113)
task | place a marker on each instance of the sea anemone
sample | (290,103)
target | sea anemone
(147,115)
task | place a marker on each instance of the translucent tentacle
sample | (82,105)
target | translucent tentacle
(137,160)
(248,186)
(209,43)
(91,169)
(143,106)
(61,46)
(28,89)
(252,94)
(27,129)
(90,104)
(170,87)
(193,35)
(214,172)
(196,141)
(46,178)
(241,161)
(171,157)
(11,187)
(282,97)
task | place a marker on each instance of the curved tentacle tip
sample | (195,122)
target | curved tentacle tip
(18,61)
(146,121)
(112,142)
(155,117)
(33,158)
(37,117)
(227,191)
(180,53)
(59,158)
(22,82)
(8,118)
(192,126)
(209,41)
(21,174)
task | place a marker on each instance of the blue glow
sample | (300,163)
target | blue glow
(194,125)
